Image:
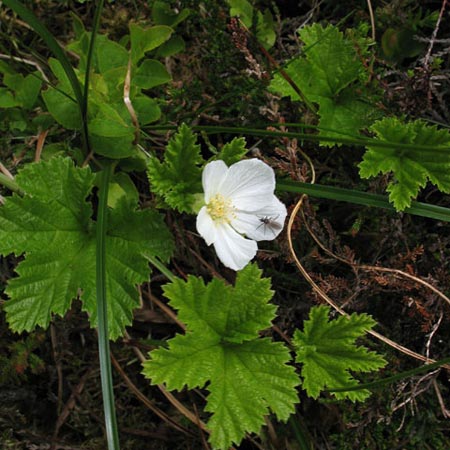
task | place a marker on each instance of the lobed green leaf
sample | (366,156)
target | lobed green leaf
(247,376)
(51,223)
(328,351)
(178,177)
(411,168)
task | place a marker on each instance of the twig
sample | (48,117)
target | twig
(372,19)
(433,36)
(148,403)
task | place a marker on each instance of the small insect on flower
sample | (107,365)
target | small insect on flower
(270,223)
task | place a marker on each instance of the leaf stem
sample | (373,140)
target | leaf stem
(392,379)
(103,336)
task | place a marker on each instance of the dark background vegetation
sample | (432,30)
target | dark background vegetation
(49,379)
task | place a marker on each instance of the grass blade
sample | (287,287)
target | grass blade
(103,337)
(363,198)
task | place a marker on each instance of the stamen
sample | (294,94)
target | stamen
(220,209)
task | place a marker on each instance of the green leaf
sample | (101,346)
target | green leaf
(162,14)
(174,45)
(26,89)
(52,225)
(7,99)
(178,177)
(147,109)
(145,39)
(233,151)
(151,73)
(110,54)
(265,29)
(330,75)
(328,351)
(247,375)
(110,134)
(59,100)
(242,9)
(411,168)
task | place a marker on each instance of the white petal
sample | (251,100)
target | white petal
(232,249)
(262,225)
(206,226)
(248,184)
(213,176)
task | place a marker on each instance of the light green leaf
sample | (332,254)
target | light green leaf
(178,177)
(328,351)
(52,225)
(147,109)
(265,29)
(411,167)
(151,73)
(110,54)
(145,39)
(242,9)
(233,151)
(109,128)
(329,73)
(62,108)
(247,375)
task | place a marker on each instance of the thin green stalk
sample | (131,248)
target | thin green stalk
(362,198)
(90,54)
(29,17)
(358,141)
(103,335)
(394,378)
(162,268)
(10,184)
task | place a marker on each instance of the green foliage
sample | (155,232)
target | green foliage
(247,375)
(265,25)
(178,177)
(233,151)
(162,14)
(331,73)
(51,223)
(327,351)
(411,167)
(18,96)
(112,131)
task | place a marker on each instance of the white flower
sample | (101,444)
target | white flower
(240,208)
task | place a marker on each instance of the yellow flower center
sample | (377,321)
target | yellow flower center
(220,209)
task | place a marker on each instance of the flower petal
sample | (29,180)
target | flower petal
(232,249)
(213,176)
(262,225)
(206,226)
(248,184)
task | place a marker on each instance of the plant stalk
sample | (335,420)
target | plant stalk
(103,335)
